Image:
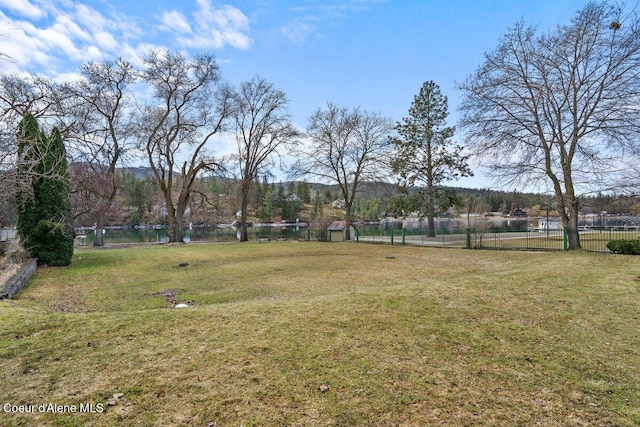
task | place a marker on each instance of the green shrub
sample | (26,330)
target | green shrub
(43,208)
(625,247)
(53,243)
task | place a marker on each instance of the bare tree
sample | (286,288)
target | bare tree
(346,147)
(19,95)
(262,127)
(174,131)
(99,112)
(561,107)
(472,205)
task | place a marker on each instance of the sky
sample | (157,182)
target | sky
(371,54)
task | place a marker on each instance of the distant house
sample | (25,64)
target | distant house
(337,230)
(518,213)
(339,204)
(553,224)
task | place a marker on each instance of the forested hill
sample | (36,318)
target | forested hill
(496,200)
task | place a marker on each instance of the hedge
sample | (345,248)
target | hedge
(625,247)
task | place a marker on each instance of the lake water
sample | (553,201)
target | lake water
(383,228)
(197,234)
(302,232)
(452,225)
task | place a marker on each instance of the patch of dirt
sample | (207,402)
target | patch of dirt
(70,304)
(171,295)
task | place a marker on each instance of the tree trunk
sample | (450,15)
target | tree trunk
(244,235)
(570,205)
(99,241)
(175,232)
(572,226)
(347,220)
(244,207)
(174,221)
(568,209)
(431,225)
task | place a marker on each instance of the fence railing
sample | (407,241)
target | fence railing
(549,240)
(411,237)
(596,240)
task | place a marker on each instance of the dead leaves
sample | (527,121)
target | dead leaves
(171,295)
(115,399)
(70,304)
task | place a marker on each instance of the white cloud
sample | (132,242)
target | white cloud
(72,34)
(68,77)
(175,21)
(215,27)
(298,30)
(55,37)
(105,41)
(68,26)
(313,17)
(18,44)
(90,17)
(56,40)
(24,8)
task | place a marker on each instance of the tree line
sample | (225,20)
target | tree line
(187,111)
(558,108)
(215,201)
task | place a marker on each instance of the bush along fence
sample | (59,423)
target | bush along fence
(594,240)
(624,246)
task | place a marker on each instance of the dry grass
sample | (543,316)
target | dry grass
(12,258)
(7,270)
(326,334)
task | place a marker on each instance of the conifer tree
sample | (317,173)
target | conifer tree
(28,139)
(43,210)
(424,152)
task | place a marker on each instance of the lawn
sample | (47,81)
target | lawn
(300,333)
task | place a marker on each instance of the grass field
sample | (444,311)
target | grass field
(306,334)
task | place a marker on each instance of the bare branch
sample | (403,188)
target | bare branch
(262,128)
(561,107)
(186,113)
(345,147)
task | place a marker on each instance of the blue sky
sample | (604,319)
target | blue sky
(372,54)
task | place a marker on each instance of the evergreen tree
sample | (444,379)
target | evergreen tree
(280,196)
(424,151)
(43,212)
(290,210)
(303,191)
(318,206)
(265,213)
(291,188)
(28,139)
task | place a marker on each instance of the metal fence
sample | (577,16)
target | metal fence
(415,237)
(548,240)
